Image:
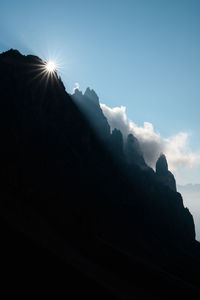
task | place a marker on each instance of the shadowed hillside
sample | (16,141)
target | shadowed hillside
(82,204)
(191,197)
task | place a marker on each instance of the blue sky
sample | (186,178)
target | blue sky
(142,54)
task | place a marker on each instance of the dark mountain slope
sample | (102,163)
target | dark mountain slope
(114,232)
(164,175)
(88,103)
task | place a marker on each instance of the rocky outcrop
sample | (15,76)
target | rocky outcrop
(91,94)
(129,151)
(163,174)
(133,152)
(88,103)
(116,144)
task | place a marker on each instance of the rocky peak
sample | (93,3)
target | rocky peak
(116,142)
(77,93)
(117,133)
(161,165)
(164,175)
(88,103)
(133,152)
(12,53)
(91,94)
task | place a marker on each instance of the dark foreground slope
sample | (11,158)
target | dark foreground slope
(72,221)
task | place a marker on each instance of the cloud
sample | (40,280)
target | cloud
(175,148)
(77,86)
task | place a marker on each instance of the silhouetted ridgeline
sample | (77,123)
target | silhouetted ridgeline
(84,212)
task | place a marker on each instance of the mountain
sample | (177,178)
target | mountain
(77,217)
(191,196)
(88,103)
(164,175)
(133,152)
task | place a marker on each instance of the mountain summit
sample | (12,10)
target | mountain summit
(89,104)
(164,175)
(75,213)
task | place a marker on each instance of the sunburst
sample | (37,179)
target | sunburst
(50,66)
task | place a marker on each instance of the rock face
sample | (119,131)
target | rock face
(91,94)
(88,103)
(68,208)
(129,151)
(116,143)
(164,175)
(133,152)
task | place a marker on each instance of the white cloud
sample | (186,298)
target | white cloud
(77,86)
(175,148)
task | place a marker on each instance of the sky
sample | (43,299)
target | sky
(140,55)
(191,196)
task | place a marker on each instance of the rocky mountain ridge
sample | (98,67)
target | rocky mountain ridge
(128,150)
(75,206)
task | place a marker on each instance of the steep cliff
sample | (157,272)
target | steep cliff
(164,175)
(88,103)
(133,152)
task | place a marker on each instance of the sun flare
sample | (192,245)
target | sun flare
(51,66)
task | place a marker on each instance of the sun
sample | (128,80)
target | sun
(50,66)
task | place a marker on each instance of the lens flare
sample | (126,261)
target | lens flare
(50,66)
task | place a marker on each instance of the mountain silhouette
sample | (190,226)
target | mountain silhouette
(81,212)
(88,103)
(133,152)
(164,175)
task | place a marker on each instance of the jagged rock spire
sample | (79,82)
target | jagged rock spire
(133,152)
(164,175)
(91,94)
(116,143)
(161,165)
(89,104)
